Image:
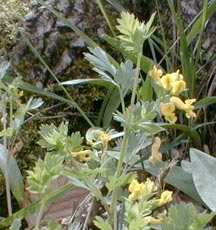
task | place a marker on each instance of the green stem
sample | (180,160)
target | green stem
(136,81)
(7,183)
(124,146)
(40,214)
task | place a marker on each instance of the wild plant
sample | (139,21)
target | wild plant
(107,162)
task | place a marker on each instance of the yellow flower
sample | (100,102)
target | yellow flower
(156,74)
(167,81)
(168,111)
(83,155)
(150,186)
(136,190)
(178,87)
(152,221)
(140,190)
(167,108)
(176,76)
(105,138)
(165,197)
(187,107)
(155,154)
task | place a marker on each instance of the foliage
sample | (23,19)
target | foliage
(40,178)
(56,139)
(127,201)
(185,216)
(202,166)
(15,112)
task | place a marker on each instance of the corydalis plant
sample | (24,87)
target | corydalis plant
(134,33)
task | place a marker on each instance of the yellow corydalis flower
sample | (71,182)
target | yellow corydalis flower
(167,81)
(152,221)
(178,87)
(172,82)
(165,197)
(156,73)
(155,154)
(139,190)
(167,109)
(186,106)
(83,155)
(105,138)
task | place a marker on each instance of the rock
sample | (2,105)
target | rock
(54,40)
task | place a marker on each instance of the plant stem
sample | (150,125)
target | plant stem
(41,211)
(127,131)
(7,184)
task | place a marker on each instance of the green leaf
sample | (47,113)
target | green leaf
(33,103)
(133,33)
(99,59)
(111,106)
(205,102)
(105,15)
(198,24)
(204,176)
(150,129)
(137,141)
(102,224)
(137,224)
(57,139)
(145,92)
(92,81)
(16,224)
(44,173)
(180,217)
(191,132)
(14,174)
(125,76)
(114,182)
(146,63)
(184,216)
(7,132)
(53,137)
(3,68)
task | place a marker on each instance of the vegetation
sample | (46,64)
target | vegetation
(134,171)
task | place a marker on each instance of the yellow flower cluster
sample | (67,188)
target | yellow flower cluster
(83,155)
(139,190)
(172,82)
(175,84)
(147,189)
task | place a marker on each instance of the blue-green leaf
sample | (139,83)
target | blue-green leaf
(204,176)
(14,174)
